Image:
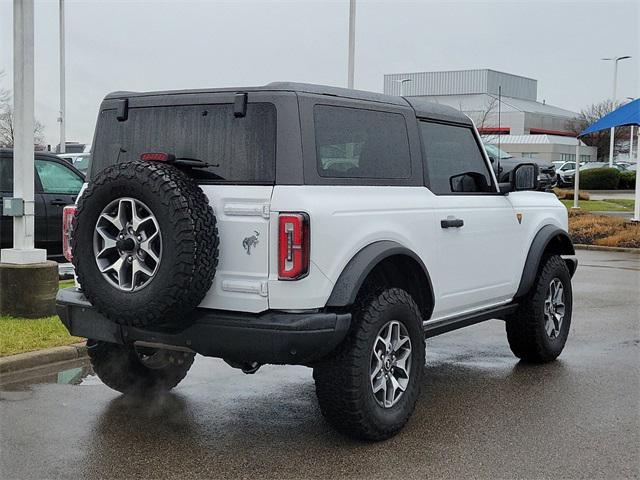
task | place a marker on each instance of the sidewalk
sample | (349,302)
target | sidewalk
(610,194)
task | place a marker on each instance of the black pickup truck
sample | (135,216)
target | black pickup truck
(57,184)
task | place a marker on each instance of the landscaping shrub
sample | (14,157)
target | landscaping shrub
(589,229)
(599,179)
(627,181)
(564,194)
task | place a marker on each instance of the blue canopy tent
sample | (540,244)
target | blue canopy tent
(626,115)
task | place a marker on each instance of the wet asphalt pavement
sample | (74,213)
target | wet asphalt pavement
(481,414)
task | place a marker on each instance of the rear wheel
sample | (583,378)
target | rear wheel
(368,389)
(538,331)
(131,369)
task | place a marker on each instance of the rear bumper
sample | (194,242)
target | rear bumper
(270,337)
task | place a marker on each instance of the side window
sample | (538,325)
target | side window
(357,143)
(6,175)
(57,178)
(454,161)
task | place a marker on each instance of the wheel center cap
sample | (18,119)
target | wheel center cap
(387,363)
(126,244)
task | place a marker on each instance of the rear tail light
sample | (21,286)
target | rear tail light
(157,157)
(293,246)
(68,213)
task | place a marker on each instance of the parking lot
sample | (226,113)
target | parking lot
(481,414)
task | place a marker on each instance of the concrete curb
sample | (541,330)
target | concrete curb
(579,246)
(23,361)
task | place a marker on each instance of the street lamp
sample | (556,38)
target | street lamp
(615,61)
(403,82)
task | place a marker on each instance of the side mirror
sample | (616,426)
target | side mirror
(523,177)
(469,182)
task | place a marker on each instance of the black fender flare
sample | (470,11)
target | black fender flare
(355,272)
(562,245)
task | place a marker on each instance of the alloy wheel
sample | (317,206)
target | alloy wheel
(390,364)
(127,244)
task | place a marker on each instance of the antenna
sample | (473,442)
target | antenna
(499,124)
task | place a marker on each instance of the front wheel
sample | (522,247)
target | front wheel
(131,369)
(538,331)
(368,389)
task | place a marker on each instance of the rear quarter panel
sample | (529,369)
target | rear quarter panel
(344,220)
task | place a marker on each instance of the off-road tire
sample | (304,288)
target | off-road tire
(189,239)
(119,367)
(525,328)
(342,381)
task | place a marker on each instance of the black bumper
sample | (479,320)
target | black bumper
(271,337)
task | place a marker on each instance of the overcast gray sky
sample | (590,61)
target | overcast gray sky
(154,45)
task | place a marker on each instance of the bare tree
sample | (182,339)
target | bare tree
(5,95)
(6,122)
(7,132)
(481,118)
(601,139)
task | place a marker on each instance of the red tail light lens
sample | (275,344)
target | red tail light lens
(68,213)
(157,157)
(293,246)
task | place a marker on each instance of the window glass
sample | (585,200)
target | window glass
(57,178)
(357,143)
(237,149)
(6,174)
(454,161)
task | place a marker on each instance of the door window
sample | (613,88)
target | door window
(57,178)
(454,161)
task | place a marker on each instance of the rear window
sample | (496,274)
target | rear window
(358,143)
(238,149)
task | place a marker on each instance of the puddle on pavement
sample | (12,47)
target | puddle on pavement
(73,372)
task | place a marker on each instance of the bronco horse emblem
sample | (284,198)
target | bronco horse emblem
(251,241)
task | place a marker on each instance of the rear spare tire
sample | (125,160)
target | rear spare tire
(145,243)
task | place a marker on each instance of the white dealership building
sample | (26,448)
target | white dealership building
(525,126)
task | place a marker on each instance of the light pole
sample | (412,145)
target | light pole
(352,42)
(631,135)
(402,83)
(615,61)
(22,205)
(61,119)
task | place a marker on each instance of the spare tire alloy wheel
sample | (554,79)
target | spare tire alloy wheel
(145,243)
(127,244)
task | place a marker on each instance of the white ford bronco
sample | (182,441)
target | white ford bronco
(307,225)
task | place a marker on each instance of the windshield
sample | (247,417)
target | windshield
(82,162)
(495,152)
(237,149)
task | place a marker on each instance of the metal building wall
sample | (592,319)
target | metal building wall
(461,82)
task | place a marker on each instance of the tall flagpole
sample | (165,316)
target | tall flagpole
(352,42)
(62,119)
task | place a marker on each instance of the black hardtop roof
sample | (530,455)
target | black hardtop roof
(422,106)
